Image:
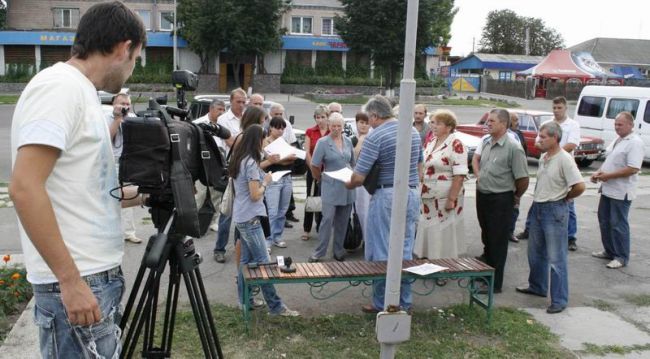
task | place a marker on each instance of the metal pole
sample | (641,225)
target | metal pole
(401,175)
(175,40)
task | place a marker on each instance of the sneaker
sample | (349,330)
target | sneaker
(220,257)
(133,239)
(573,246)
(286,312)
(214,227)
(288,225)
(280,244)
(601,255)
(291,217)
(522,235)
(312,259)
(614,264)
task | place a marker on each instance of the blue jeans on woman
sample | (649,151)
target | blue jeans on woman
(60,339)
(278,196)
(614,227)
(548,247)
(253,250)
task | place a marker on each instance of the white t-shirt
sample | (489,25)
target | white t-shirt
(60,108)
(628,152)
(555,176)
(230,122)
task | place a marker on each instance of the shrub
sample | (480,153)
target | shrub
(14,287)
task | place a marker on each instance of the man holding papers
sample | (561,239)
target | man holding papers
(333,152)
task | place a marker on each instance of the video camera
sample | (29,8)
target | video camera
(164,156)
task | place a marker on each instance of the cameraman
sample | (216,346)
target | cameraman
(63,173)
(217,108)
(121,108)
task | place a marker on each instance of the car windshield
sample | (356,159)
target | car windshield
(541,119)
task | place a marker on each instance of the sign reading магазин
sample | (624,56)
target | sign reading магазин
(158,39)
(329,43)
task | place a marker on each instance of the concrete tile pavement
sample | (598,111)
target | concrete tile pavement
(591,284)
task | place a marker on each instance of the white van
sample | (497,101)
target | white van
(598,106)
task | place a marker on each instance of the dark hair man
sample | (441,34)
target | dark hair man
(618,176)
(63,171)
(502,180)
(558,181)
(380,146)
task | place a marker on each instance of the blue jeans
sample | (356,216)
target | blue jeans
(59,339)
(573,222)
(253,250)
(223,233)
(547,247)
(377,238)
(278,196)
(614,227)
(335,219)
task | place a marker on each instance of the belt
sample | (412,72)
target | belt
(390,185)
(91,279)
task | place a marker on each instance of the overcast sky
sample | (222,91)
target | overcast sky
(576,20)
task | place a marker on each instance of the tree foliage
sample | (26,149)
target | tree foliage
(243,27)
(3,14)
(505,33)
(378,28)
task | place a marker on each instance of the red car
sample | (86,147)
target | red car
(590,148)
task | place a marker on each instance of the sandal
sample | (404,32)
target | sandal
(305,236)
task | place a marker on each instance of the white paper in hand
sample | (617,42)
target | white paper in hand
(280,147)
(343,175)
(275,176)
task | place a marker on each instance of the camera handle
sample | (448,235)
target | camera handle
(152,259)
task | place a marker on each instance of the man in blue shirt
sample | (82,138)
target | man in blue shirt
(380,146)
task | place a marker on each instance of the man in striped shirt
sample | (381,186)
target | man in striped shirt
(380,146)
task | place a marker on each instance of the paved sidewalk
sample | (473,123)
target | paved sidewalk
(600,311)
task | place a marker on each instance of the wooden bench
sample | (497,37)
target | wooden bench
(469,272)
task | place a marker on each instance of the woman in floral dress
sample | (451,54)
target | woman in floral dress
(441,232)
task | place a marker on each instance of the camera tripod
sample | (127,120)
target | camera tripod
(173,250)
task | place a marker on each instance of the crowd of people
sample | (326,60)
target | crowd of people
(72,237)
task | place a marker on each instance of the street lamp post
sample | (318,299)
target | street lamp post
(393,325)
(174,55)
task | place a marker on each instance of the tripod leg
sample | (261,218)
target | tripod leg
(208,310)
(199,316)
(171,306)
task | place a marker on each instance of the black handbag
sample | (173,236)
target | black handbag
(354,234)
(372,179)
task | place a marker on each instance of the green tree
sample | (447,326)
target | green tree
(505,33)
(3,14)
(256,30)
(205,24)
(378,28)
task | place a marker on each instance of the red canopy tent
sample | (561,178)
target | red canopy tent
(568,66)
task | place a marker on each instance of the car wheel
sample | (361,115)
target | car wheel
(584,163)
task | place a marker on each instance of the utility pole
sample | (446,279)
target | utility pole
(527,41)
(175,40)
(394,325)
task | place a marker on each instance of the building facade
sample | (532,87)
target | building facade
(40,33)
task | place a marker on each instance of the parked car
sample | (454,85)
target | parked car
(589,150)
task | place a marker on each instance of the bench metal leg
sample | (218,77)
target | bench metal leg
(246,306)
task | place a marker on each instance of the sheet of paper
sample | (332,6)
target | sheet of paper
(280,147)
(300,153)
(343,175)
(275,176)
(426,268)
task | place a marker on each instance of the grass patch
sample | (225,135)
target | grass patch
(603,350)
(640,300)
(9,99)
(456,332)
(603,305)
(475,102)
(353,100)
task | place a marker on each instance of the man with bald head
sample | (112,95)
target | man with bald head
(618,176)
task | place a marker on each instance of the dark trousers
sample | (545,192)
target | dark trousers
(309,216)
(494,213)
